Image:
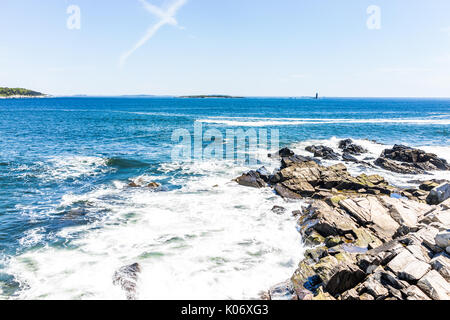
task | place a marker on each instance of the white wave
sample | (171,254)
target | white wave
(262,122)
(64,167)
(212,239)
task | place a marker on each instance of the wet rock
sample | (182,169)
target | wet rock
(251,179)
(349,158)
(295,160)
(421,159)
(347,146)
(127,277)
(278,210)
(285,152)
(323,152)
(439,194)
(397,167)
(407,267)
(264,174)
(441,263)
(374,287)
(283,291)
(435,286)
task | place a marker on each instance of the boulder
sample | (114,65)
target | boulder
(421,159)
(251,179)
(127,277)
(435,286)
(407,267)
(439,194)
(323,152)
(397,167)
(347,146)
(278,210)
(286,193)
(285,152)
(443,239)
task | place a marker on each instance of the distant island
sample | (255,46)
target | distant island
(211,97)
(16,93)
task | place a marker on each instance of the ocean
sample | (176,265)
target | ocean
(69,220)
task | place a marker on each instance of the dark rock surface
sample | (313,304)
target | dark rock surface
(347,146)
(127,277)
(323,152)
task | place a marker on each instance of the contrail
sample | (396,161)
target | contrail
(167,17)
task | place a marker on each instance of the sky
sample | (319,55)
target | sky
(346,48)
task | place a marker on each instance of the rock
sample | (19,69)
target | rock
(375,288)
(283,291)
(447,250)
(443,239)
(349,147)
(323,152)
(264,174)
(285,152)
(349,158)
(404,168)
(414,293)
(295,160)
(439,194)
(441,263)
(427,236)
(435,286)
(127,277)
(278,210)
(351,294)
(430,185)
(153,185)
(286,193)
(421,159)
(407,267)
(366,296)
(371,213)
(251,179)
(420,252)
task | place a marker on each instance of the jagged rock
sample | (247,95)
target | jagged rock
(421,159)
(443,239)
(404,168)
(407,267)
(320,217)
(251,179)
(374,287)
(323,152)
(283,291)
(435,286)
(405,213)
(439,194)
(414,293)
(322,296)
(371,213)
(441,263)
(127,277)
(427,236)
(349,147)
(420,252)
(366,296)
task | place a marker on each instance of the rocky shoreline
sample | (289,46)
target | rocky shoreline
(366,239)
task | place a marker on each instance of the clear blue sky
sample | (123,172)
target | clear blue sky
(237,47)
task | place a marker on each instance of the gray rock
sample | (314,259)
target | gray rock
(441,263)
(443,239)
(439,194)
(435,286)
(414,293)
(419,252)
(407,267)
(283,291)
(404,168)
(251,179)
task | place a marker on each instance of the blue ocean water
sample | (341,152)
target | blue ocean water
(68,219)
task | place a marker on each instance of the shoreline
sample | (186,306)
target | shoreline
(24,97)
(365,239)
